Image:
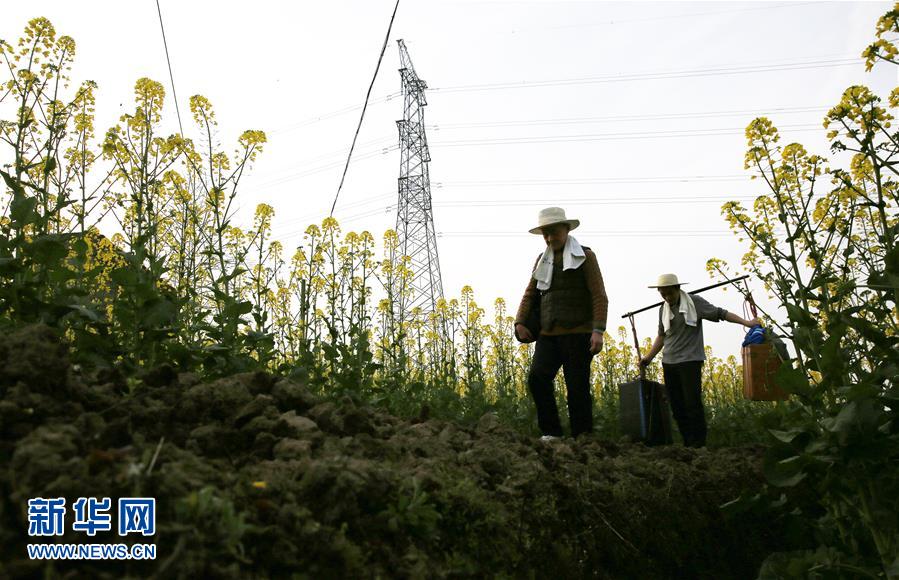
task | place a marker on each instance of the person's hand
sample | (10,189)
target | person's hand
(644,362)
(595,343)
(523,332)
(753,322)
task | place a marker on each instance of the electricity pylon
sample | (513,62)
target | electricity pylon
(414,212)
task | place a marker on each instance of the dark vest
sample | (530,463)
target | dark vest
(567,303)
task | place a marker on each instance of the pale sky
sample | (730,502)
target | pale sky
(630,115)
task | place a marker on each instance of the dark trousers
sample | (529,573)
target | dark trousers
(683,382)
(572,353)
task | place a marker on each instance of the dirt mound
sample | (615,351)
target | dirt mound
(256,477)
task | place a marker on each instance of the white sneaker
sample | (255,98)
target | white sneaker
(549,438)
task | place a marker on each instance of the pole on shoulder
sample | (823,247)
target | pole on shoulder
(731,281)
(637,347)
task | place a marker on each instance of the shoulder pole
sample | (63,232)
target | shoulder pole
(637,346)
(732,281)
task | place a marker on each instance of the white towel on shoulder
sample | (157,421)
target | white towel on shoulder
(572,257)
(685,307)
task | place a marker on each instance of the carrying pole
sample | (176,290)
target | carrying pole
(749,299)
(652,393)
(732,281)
(637,346)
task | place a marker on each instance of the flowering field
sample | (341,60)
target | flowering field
(289,420)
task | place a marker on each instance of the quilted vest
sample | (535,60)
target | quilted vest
(567,303)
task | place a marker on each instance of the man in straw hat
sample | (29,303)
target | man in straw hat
(573,307)
(680,332)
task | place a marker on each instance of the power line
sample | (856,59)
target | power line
(688,15)
(613,136)
(354,205)
(365,105)
(536,182)
(375,145)
(594,180)
(511,202)
(379,143)
(689,73)
(336,113)
(606,233)
(169,62)
(607,201)
(614,118)
(851,58)
(653,199)
(326,167)
(496,202)
(620,136)
(388,98)
(342,221)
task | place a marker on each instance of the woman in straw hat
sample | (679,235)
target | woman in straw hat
(567,287)
(680,332)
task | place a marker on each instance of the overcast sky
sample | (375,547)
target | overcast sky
(628,115)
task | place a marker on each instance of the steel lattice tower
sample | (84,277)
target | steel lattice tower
(414,212)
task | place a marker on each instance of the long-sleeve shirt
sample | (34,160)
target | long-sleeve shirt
(599,300)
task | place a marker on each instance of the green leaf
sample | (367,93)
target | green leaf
(791,380)
(124,276)
(50,166)
(214,348)
(330,351)
(86,312)
(785,472)
(159,313)
(785,436)
(63,275)
(49,249)
(228,277)
(238,308)
(891,260)
(255,336)
(13,184)
(21,210)
(893,570)
(80,245)
(8,265)
(844,419)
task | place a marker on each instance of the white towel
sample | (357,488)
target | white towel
(685,307)
(572,257)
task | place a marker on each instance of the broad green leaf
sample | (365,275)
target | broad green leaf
(86,312)
(786,472)
(124,276)
(844,419)
(159,313)
(48,249)
(21,210)
(13,184)
(50,166)
(791,380)
(785,436)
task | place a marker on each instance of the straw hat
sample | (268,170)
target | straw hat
(551,216)
(667,280)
